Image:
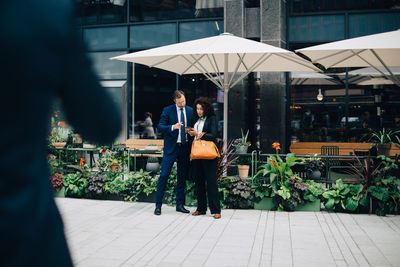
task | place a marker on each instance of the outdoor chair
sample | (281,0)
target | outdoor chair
(330,161)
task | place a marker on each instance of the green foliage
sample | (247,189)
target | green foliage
(386,192)
(384,136)
(75,184)
(191,197)
(58,134)
(239,194)
(314,191)
(244,160)
(336,195)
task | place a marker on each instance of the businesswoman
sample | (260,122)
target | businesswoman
(205,170)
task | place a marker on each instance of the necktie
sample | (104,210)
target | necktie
(183,132)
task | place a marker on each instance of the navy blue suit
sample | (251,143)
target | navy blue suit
(173,152)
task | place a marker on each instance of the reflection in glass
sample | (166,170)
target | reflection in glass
(194,30)
(153,91)
(109,69)
(101,11)
(106,38)
(152,35)
(151,10)
(316,28)
(305,6)
(365,24)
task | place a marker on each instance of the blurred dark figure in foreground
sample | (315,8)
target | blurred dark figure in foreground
(42,59)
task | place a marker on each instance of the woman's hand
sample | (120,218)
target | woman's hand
(192,132)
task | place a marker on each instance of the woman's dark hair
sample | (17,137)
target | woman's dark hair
(148,114)
(206,104)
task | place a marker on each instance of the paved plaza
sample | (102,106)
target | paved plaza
(116,233)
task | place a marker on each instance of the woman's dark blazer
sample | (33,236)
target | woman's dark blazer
(211,129)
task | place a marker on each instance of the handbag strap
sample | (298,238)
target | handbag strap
(200,135)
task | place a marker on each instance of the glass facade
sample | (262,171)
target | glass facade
(369,107)
(106,38)
(308,6)
(93,12)
(108,32)
(152,35)
(157,10)
(316,28)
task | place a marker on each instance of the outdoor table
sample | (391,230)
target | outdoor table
(86,150)
(140,151)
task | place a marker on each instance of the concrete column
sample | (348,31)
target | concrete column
(273,85)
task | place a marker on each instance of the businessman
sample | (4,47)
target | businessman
(173,123)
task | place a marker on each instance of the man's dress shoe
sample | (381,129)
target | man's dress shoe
(182,209)
(157,211)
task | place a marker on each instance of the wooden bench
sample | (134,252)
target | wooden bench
(138,145)
(310,148)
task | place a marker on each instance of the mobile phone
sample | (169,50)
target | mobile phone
(189,129)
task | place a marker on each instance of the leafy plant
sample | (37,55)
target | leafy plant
(239,193)
(58,134)
(152,160)
(289,194)
(244,160)
(227,158)
(314,191)
(96,185)
(336,195)
(241,141)
(75,184)
(384,136)
(313,165)
(57,181)
(386,192)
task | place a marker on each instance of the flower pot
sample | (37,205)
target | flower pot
(243,171)
(113,167)
(314,175)
(152,166)
(309,206)
(241,149)
(384,149)
(267,203)
(59,144)
(60,193)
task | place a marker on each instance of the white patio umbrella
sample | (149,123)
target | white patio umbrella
(225,53)
(376,50)
(312,78)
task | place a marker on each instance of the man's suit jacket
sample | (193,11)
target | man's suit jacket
(169,117)
(44,59)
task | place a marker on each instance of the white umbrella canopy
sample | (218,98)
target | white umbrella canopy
(312,78)
(376,50)
(225,53)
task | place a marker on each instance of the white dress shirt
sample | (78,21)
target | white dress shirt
(199,125)
(178,112)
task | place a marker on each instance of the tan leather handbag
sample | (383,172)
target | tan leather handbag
(204,149)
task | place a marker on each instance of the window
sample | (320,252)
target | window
(109,69)
(194,30)
(106,38)
(365,24)
(101,11)
(152,35)
(316,28)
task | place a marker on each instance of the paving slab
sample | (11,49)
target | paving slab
(117,233)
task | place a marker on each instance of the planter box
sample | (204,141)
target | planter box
(310,206)
(60,193)
(142,197)
(266,203)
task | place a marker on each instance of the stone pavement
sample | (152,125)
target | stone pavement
(116,233)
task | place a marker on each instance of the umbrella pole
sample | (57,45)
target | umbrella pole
(347,105)
(226,91)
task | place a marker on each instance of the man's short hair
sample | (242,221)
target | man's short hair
(177,94)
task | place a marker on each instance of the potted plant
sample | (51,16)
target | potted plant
(313,168)
(263,194)
(115,163)
(243,163)
(75,184)
(152,164)
(384,140)
(57,183)
(58,137)
(241,144)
